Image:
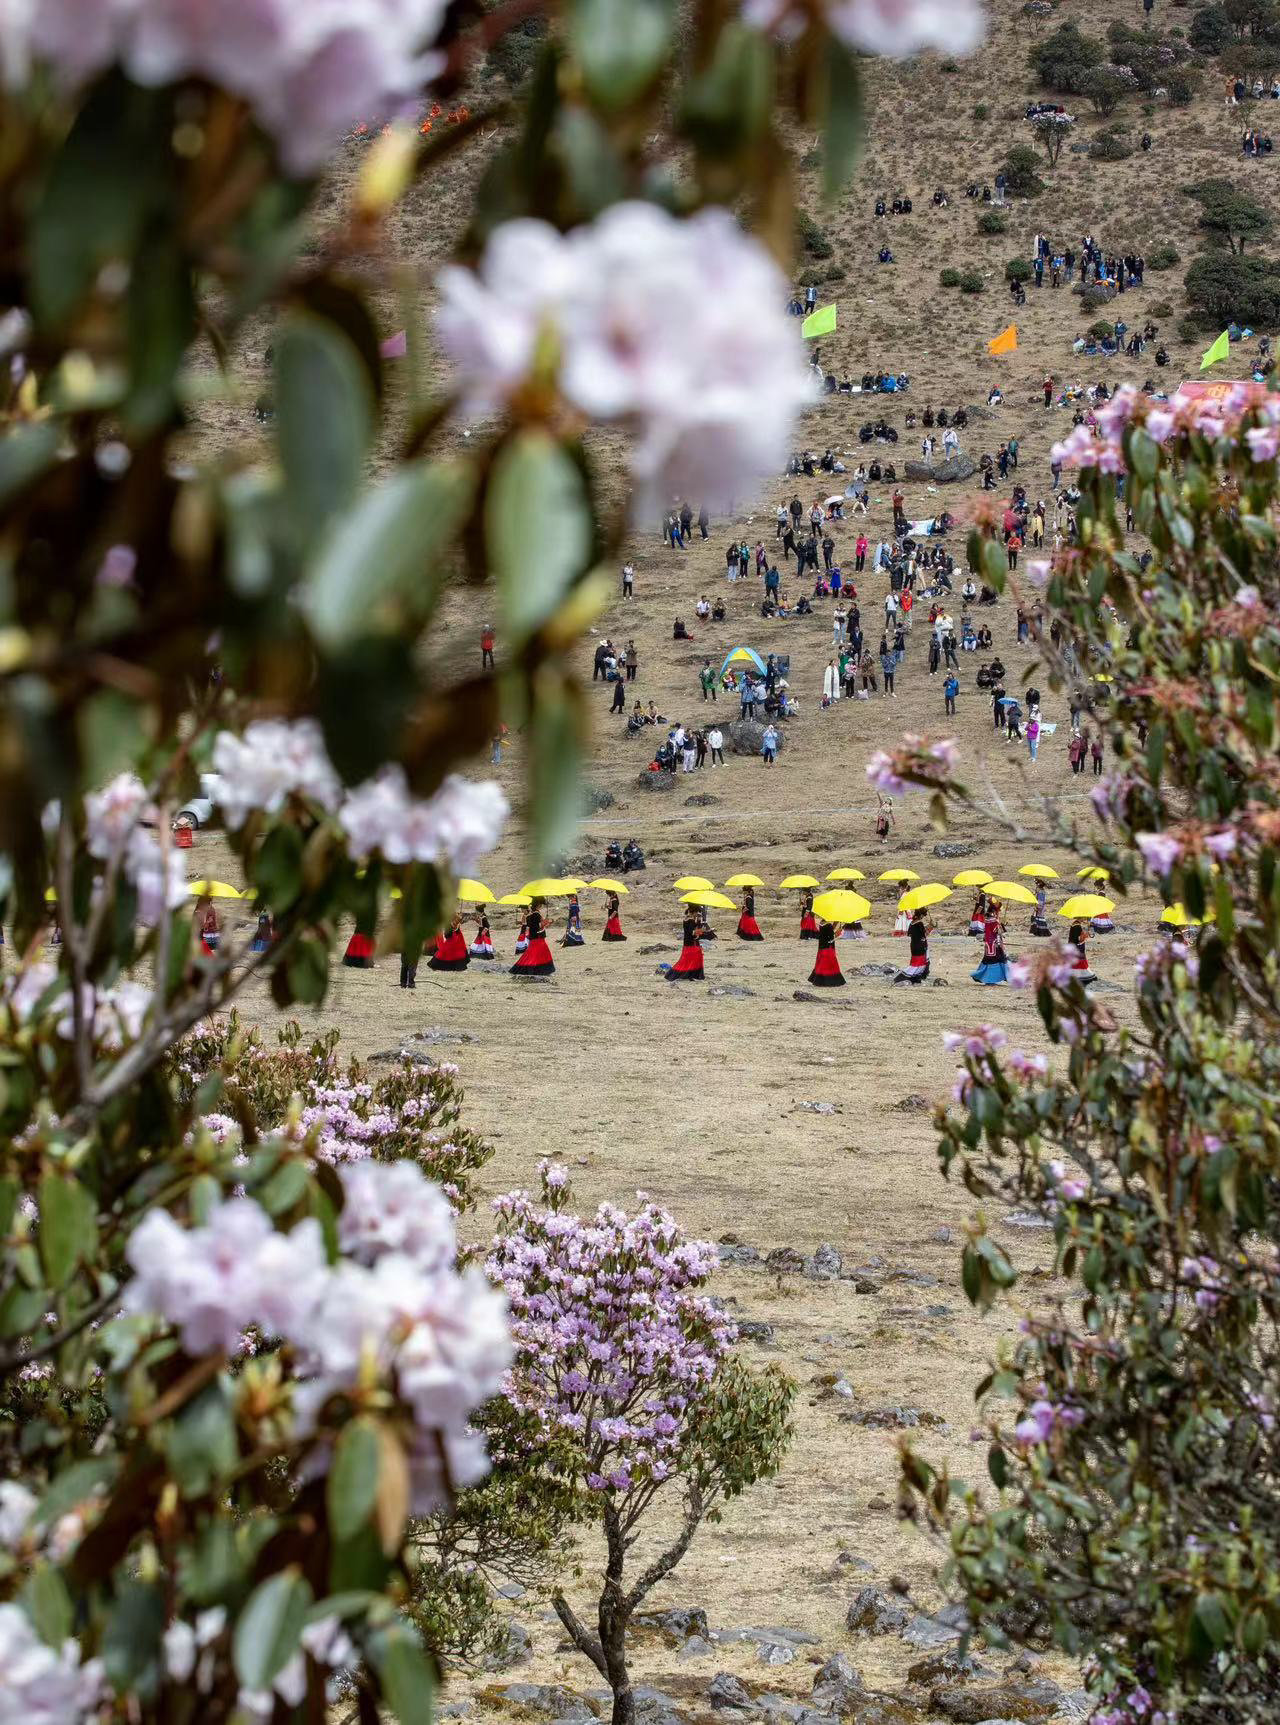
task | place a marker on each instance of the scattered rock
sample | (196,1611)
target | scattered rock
(942,1236)
(837,1686)
(517,1648)
(1026,1219)
(872,1611)
(803,994)
(862,1284)
(704,800)
(944,1626)
(913,1104)
(825,1264)
(649,951)
(946,1666)
(817,1107)
(874,970)
(917,1278)
(746,736)
(696,1647)
(775,1653)
(785,1261)
(885,1710)
(596,800)
(678,1624)
(656,781)
(884,1419)
(550,1700)
(733,991)
(510,1590)
(792,1637)
(727,1691)
(955,848)
(1029,1700)
(754,1329)
(955,467)
(739,1255)
(655,1708)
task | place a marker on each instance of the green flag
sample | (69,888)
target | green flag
(821,322)
(1220,349)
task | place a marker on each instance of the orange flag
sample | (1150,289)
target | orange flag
(1005,342)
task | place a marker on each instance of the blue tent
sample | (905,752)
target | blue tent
(739,654)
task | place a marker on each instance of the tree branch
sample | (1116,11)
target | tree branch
(585,1642)
(695,1508)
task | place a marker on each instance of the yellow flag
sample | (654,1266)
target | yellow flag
(1005,342)
(821,322)
(1220,349)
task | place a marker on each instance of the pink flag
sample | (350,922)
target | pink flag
(395,346)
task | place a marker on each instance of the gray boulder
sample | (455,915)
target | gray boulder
(838,1687)
(550,1700)
(727,1691)
(1033,1700)
(656,781)
(678,1624)
(746,736)
(954,848)
(825,1264)
(872,1611)
(956,467)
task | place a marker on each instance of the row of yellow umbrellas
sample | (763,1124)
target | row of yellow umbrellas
(476,892)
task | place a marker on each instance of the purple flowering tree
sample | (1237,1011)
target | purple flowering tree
(1131,1432)
(627,1370)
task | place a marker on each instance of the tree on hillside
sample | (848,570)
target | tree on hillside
(1106,86)
(1210,30)
(1132,1514)
(1019,170)
(1223,290)
(1062,60)
(1250,17)
(1230,214)
(1053,130)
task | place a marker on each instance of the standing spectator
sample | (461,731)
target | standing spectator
(1013,453)
(748,709)
(715,742)
(1033,734)
(950,689)
(704,521)
(603,651)
(628,580)
(769,745)
(1076,752)
(888,665)
(828,551)
(1048,382)
(619,696)
(486,647)
(1095,750)
(860,553)
(632,661)
(686,523)
(707,677)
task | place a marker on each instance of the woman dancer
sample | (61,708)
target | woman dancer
(210,932)
(978,915)
(264,937)
(1039,921)
(917,967)
(482,945)
(1081,969)
(451,949)
(748,927)
(826,972)
(359,953)
(613,920)
(994,967)
(573,935)
(808,921)
(536,959)
(688,967)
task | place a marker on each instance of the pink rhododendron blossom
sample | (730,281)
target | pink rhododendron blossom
(895,27)
(1160,851)
(271,762)
(883,775)
(1263,441)
(630,303)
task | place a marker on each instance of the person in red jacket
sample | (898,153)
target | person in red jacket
(860,552)
(486,647)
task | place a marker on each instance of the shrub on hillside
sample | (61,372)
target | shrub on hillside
(971,281)
(1100,329)
(1017,270)
(1106,86)
(1180,86)
(1210,30)
(811,240)
(992,222)
(1222,289)
(1230,214)
(513,56)
(1163,256)
(950,278)
(1109,146)
(1062,60)
(1019,170)
(1161,309)
(982,110)
(1095,295)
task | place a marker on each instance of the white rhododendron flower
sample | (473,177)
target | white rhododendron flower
(459,824)
(896,27)
(309,71)
(677,329)
(40,1684)
(272,761)
(112,813)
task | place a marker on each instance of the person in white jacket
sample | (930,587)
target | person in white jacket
(831,681)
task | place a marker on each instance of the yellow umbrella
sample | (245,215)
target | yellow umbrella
(51,897)
(846,874)
(547,888)
(474,892)
(898,874)
(797,880)
(1178,916)
(1011,892)
(1039,871)
(694,883)
(841,905)
(1093,873)
(744,880)
(604,884)
(1087,904)
(970,877)
(571,883)
(212,889)
(520,898)
(921,897)
(710,899)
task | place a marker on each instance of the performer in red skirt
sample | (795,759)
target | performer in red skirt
(210,933)
(808,921)
(451,949)
(916,968)
(826,972)
(748,927)
(359,953)
(613,921)
(536,959)
(482,945)
(688,967)
(1081,969)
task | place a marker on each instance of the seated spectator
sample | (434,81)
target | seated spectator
(679,632)
(703,608)
(718,611)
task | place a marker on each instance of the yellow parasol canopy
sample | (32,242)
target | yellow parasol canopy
(709,898)
(520,898)
(921,897)
(1011,892)
(1178,916)
(1093,873)
(604,884)
(971,877)
(1087,904)
(474,892)
(744,880)
(694,883)
(571,883)
(797,880)
(841,905)
(846,874)
(898,874)
(212,889)
(547,888)
(1039,871)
